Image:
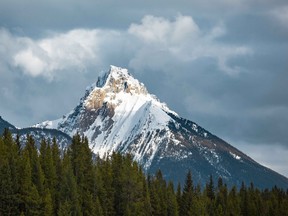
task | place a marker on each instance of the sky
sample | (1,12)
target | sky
(222,64)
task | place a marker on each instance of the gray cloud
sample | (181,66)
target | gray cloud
(222,64)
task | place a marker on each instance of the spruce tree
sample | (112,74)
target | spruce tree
(30,199)
(68,193)
(172,205)
(47,206)
(187,196)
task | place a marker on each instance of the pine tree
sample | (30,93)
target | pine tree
(98,208)
(179,194)
(47,204)
(210,193)
(154,196)
(7,199)
(68,194)
(221,197)
(187,196)
(107,197)
(9,174)
(56,157)
(172,205)
(146,196)
(82,164)
(233,203)
(49,170)
(210,189)
(30,199)
(37,172)
(65,209)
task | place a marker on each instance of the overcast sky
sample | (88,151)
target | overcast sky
(222,64)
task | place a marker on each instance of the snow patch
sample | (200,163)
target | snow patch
(235,156)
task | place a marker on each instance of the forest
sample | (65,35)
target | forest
(46,181)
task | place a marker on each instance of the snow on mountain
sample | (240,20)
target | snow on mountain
(62,139)
(118,114)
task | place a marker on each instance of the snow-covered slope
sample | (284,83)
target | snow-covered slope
(118,114)
(62,139)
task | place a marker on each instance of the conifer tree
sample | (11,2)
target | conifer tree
(47,207)
(9,174)
(49,170)
(68,194)
(107,198)
(98,207)
(30,198)
(36,169)
(187,196)
(7,196)
(233,203)
(56,157)
(172,205)
(154,196)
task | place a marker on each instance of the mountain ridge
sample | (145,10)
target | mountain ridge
(117,113)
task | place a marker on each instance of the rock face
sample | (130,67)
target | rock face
(118,114)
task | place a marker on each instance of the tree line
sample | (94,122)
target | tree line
(46,181)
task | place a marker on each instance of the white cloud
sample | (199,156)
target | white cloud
(182,40)
(154,43)
(72,50)
(31,63)
(159,30)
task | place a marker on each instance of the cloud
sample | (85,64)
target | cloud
(71,50)
(31,63)
(281,14)
(153,43)
(182,40)
(159,30)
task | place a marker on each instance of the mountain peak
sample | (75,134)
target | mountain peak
(115,73)
(118,79)
(112,87)
(118,114)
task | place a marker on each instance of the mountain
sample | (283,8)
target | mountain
(38,134)
(4,124)
(117,113)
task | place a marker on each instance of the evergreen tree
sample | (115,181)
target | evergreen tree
(107,197)
(36,170)
(47,204)
(47,183)
(187,196)
(65,209)
(56,157)
(82,164)
(68,194)
(172,205)
(210,189)
(98,208)
(233,203)
(154,196)
(221,197)
(7,199)
(30,198)
(9,174)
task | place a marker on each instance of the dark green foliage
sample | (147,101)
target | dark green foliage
(46,182)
